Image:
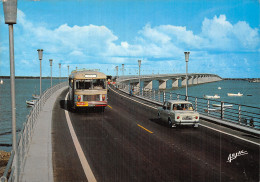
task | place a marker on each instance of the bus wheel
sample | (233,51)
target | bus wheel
(101,109)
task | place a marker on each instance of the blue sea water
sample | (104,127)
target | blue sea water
(26,87)
(24,90)
(250,91)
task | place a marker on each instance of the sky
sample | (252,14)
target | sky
(222,36)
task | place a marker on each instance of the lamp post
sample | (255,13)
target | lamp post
(116,71)
(123,68)
(40,58)
(60,70)
(76,68)
(139,64)
(51,70)
(68,71)
(186,60)
(116,75)
(10,14)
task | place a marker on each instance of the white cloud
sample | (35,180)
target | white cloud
(248,37)
(158,46)
(222,35)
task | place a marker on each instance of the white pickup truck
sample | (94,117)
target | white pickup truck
(178,112)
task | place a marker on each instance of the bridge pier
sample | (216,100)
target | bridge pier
(175,83)
(183,82)
(195,80)
(201,79)
(148,85)
(162,83)
(170,81)
(190,80)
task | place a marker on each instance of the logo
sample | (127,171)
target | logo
(235,155)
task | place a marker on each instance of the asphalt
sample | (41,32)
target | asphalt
(127,142)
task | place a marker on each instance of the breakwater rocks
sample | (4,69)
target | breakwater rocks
(4,157)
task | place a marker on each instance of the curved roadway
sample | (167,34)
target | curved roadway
(128,143)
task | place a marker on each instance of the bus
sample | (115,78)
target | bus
(87,88)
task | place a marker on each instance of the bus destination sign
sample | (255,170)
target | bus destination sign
(90,76)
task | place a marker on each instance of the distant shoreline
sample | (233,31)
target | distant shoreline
(32,77)
(37,77)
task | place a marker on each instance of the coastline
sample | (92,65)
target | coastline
(31,77)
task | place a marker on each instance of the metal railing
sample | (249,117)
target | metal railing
(243,115)
(25,136)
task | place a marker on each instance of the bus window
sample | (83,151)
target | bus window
(91,84)
(86,84)
(99,84)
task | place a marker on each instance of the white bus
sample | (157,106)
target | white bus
(87,89)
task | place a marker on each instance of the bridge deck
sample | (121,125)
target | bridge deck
(128,143)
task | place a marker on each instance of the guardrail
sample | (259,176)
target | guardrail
(25,136)
(235,114)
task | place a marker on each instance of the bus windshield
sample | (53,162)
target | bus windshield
(95,84)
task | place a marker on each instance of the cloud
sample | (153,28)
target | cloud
(158,46)
(219,34)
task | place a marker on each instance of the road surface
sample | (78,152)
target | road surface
(128,143)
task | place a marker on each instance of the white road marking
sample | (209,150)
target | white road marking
(199,124)
(88,172)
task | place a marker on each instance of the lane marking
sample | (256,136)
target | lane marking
(85,165)
(109,106)
(199,124)
(144,128)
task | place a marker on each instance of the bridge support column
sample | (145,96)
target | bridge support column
(162,84)
(195,80)
(175,83)
(148,85)
(201,79)
(190,80)
(183,82)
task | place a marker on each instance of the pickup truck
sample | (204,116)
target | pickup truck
(178,112)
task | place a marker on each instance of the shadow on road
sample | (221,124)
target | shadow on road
(68,106)
(165,124)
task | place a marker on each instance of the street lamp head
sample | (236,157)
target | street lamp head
(187,56)
(10,11)
(139,63)
(40,53)
(50,62)
(59,65)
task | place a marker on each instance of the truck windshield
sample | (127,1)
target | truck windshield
(95,84)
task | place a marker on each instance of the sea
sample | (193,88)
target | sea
(26,87)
